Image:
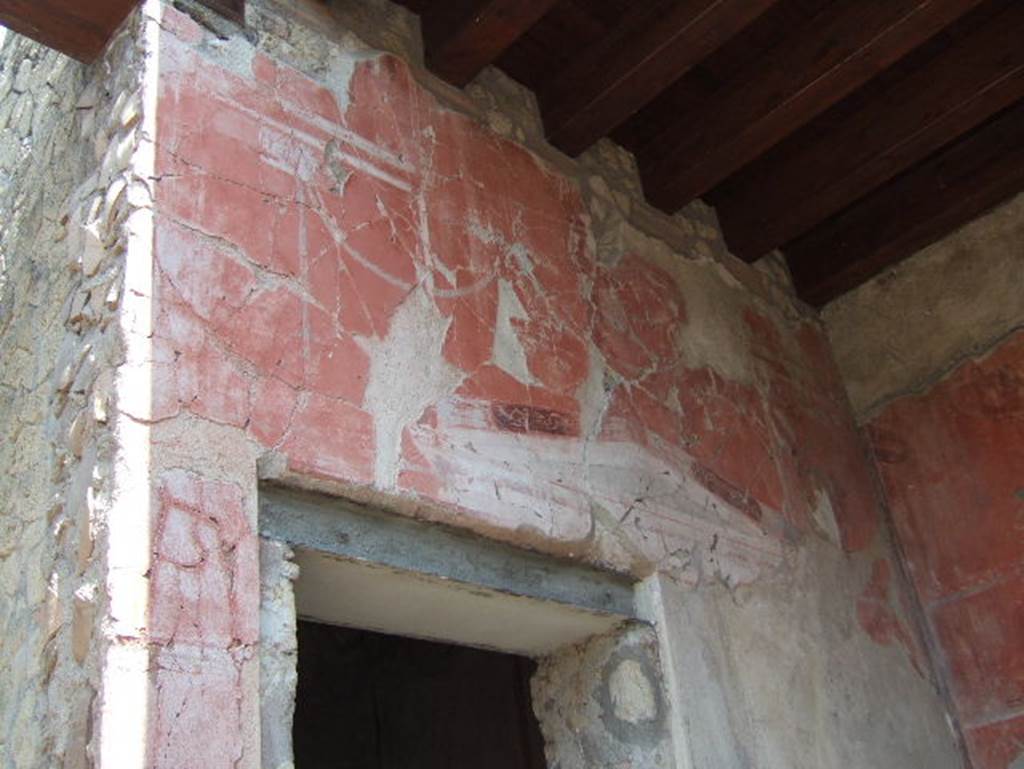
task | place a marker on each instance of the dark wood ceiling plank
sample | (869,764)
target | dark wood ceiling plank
(550,44)
(78,29)
(699,84)
(609,82)
(461,37)
(946,191)
(841,49)
(805,180)
(229,9)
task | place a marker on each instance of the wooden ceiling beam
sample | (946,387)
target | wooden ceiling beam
(914,210)
(229,9)
(805,180)
(79,29)
(461,37)
(842,48)
(609,82)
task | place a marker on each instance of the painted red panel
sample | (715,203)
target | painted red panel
(999,745)
(295,223)
(877,615)
(639,316)
(205,575)
(951,462)
(822,461)
(982,638)
(387,294)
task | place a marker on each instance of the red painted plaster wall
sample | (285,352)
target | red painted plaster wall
(952,461)
(295,227)
(291,229)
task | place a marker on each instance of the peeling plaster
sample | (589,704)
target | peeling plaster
(341,329)
(407,374)
(508,351)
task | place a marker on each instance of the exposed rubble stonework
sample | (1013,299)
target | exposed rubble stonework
(948,440)
(66,192)
(343,275)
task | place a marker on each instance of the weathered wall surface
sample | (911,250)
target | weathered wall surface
(363,285)
(951,461)
(933,355)
(379,293)
(365,282)
(603,703)
(909,327)
(780,673)
(67,133)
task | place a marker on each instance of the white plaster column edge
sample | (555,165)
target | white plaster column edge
(124,712)
(651,606)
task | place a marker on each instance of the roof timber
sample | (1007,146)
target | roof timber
(846,45)
(80,30)
(611,81)
(950,189)
(815,174)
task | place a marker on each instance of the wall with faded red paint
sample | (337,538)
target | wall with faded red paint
(355,285)
(932,356)
(391,296)
(952,460)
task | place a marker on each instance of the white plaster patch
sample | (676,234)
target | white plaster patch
(508,350)
(656,510)
(408,372)
(708,292)
(632,693)
(825,517)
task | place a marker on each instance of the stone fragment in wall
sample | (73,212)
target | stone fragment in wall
(84,517)
(77,314)
(54,609)
(78,433)
(632,693)
(83,620)
(20,120)
(23,78)
(127,110)
(114,211)
(70,361)
(102,392)
(91,249)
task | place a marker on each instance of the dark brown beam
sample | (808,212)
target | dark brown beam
(230,9)
(802,182)
(841,49)
(948,190)
(609,82)
(73,27)
(462,37)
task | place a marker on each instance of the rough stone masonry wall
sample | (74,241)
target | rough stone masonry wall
(66,138)
(945,414)
(364,284)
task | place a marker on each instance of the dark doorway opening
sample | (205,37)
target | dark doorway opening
(372,701)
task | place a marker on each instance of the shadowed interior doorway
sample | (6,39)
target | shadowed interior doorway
(372,701)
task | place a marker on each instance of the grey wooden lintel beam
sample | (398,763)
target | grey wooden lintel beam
(346,530)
